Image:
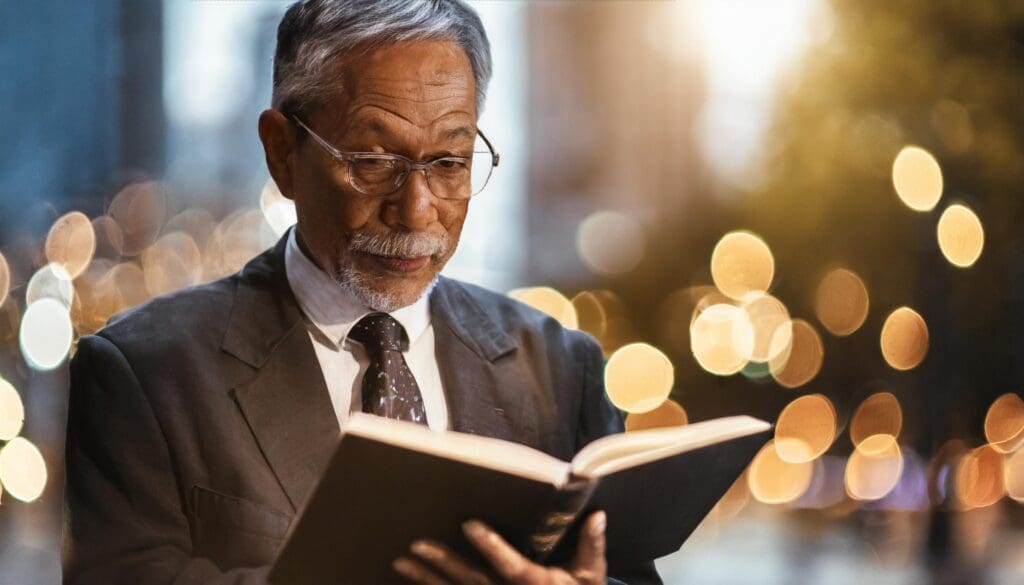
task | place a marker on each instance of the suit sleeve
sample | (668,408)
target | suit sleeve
(599,417)
(124,513)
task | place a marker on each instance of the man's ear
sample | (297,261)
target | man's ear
(278,138)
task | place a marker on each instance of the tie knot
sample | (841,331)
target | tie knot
(380,332)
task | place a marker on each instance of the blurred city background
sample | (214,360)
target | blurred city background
(802,210)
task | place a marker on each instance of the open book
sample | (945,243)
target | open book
(390,483)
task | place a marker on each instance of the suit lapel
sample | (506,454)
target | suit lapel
(481,394)
(286,402)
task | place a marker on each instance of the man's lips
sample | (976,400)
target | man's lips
(400,264)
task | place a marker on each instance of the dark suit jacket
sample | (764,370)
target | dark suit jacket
(199,422)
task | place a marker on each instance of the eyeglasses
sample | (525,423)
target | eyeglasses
(449,177)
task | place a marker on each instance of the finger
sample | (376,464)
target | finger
(589,564)
(505,559)
(449,563)
(416,572)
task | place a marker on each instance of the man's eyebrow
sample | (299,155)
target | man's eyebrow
(459,131)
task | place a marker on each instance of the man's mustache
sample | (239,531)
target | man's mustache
(399,244)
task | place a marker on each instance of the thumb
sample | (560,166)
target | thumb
(589,564)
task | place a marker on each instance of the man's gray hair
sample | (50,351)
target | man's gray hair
(313,32)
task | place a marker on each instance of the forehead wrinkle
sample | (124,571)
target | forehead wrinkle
(375,118)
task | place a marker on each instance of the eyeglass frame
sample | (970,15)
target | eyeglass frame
(411,165)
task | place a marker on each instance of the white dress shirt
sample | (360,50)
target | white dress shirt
(331,311)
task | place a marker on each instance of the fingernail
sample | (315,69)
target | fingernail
(599,523)
(474,529)
(426,549)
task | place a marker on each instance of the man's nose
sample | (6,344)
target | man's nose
(412,208)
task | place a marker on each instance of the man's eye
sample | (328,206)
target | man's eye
(449,164)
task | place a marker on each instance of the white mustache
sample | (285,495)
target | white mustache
(399,244)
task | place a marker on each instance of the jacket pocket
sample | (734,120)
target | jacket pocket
(234,532)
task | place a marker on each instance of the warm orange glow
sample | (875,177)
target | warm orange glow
(802,362)
(841,302)
(722,339)
(773,329)
(638,378)
(979,478)
(879,415)
(904,339)
(71,243)
(12,411)
(917,177)
(610,243)
(139,209)
(109,238)
(1013,475)
(742,263)
(53,282)
(171,263)
(590,314)
(874,468)
(961,236)
(669,414)
(46,334)
(550,301)
(237,239)
(5,279)
(22,469)
(773,480)
(1004,423)
(806,429)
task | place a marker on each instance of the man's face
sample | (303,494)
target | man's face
(410,99)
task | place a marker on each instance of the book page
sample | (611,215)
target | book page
(473,449)
(624,450)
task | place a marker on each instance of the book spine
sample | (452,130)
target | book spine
(568,502)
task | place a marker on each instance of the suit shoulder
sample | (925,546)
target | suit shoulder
(195,314)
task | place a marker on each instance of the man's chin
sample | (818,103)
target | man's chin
(386,292)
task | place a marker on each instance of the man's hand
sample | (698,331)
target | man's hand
(437,565)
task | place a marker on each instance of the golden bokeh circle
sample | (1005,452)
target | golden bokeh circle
(874,468)
(50,281)
(904,339)
(22,469)
(1013,475)
(548,300)
(71,243)
(773,480)
(1004,423)
(139,210)
(638,378)
(880,415)
(46,333)
(917,178)
(773,328)
(742,263)
(610,243)
(961,235)
(669,414)
(109,237)
(12,411)
(171,263)
(979,480)
(5,279)
(841,302)
(805,429)
(722,339)
(591,315)
(802,362)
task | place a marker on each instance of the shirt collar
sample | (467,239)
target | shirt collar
(331,308)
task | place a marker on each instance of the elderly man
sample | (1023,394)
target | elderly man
(200,422)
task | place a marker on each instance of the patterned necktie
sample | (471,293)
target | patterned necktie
(389,388)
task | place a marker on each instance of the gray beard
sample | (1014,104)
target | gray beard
(359,285)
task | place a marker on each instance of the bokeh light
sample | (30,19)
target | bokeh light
(46,333)
(904,339)
(880,415)
(979,478)
(773,329)
(550,301)
(961,235)
(722,339)
(610,243)
(22,469)
(109,238)
(1013,474)
(53,282)
(742,263)
(773,480)
(669,414)
(841,302)
(638,377)
(803,359)
(5,279)
(874,468)
(172,262)
(139,210)
(71,243)
(1004,423)
(278,210)
(805,429)
(12,411)
(917,177)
